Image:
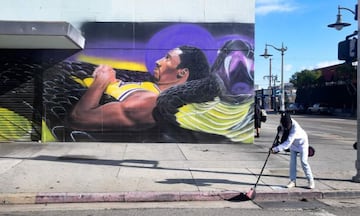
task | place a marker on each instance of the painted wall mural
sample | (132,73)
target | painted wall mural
(21,91)
(153,82)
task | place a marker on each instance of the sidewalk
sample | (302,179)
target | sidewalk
(137,172)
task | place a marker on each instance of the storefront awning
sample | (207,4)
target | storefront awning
(43,43)
(39,35)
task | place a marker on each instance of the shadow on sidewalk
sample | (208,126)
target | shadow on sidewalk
(152,164)
(134,163)
(202,182)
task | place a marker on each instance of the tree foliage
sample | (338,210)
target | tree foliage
(344,73)
(305,78)
(334,85)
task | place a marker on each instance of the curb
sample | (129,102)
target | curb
(44,198)
(298,195)
(47,198)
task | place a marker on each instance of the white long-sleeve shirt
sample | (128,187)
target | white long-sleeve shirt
(296,141)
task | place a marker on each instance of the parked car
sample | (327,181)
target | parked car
(296,108)
(320,108)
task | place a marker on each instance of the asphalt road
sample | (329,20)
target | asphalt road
(329,207)
(341,129)
(320,128)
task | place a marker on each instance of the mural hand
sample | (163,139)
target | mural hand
(105,74)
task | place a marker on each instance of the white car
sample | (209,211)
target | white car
(320,108)
(295,108)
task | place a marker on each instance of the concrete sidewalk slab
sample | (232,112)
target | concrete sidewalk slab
(159,172)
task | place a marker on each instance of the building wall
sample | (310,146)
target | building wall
(80,11)
(130,36)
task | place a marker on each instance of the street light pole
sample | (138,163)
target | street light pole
(270,87)
(338,25)
(356,178)
(266,55)
(270,76)
(282,50)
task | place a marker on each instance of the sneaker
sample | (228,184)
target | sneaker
(291,184)
(311,184)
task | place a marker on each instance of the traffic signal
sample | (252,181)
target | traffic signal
(347,50)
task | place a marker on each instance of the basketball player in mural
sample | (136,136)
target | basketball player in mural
(183,101)
(136,101)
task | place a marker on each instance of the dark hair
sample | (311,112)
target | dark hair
(195,60)
(286,121)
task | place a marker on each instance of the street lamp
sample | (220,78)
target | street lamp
(339,25)
(266,55)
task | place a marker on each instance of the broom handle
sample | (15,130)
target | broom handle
(267,158)
(262,169)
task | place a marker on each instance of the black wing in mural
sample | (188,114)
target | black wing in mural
(62,90)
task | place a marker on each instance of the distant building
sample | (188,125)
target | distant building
(336,88)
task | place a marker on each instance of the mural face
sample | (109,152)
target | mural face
(153,82)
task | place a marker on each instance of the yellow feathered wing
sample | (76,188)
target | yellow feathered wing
(217,117)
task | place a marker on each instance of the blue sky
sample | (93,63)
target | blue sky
(302,26)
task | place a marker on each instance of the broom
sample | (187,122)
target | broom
(251,194)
